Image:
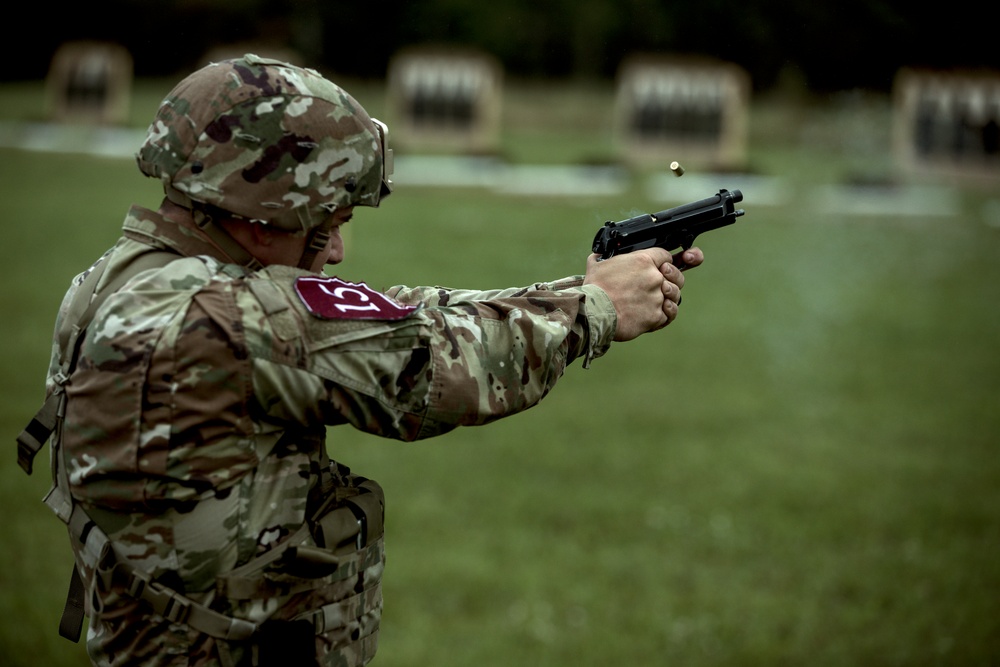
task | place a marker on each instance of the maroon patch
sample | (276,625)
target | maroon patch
(336,299)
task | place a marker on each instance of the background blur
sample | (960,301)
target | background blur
(803,469)
(832,46)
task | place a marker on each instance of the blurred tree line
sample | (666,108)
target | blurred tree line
(827,45)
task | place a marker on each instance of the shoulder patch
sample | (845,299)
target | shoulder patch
(336,299)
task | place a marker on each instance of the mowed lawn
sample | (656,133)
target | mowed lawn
(803,469)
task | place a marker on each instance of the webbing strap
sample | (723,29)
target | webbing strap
(167,602)
(37,432)
(71,622)
(177,608)
(317,241)
(205,219)
(339,614)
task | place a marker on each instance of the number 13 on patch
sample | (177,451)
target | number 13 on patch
(336,299)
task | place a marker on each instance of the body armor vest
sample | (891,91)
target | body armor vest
(333,562)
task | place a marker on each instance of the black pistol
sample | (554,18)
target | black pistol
(670,229)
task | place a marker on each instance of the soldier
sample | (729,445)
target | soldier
(197,363)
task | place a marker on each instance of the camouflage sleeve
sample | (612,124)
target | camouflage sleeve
(442,296)
(468,362)
(498,356)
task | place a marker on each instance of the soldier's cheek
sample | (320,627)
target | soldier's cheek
(335,247)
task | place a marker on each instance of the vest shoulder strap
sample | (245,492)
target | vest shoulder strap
(82,308)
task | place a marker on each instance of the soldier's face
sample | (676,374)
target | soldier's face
(334,251)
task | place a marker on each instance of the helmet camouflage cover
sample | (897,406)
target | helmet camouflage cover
(267,141)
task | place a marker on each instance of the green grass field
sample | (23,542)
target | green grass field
(802,470)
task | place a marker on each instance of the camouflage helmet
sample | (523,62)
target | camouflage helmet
(267,141)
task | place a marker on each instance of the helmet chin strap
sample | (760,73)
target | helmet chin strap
(205,218)
(240,255)
(318,239)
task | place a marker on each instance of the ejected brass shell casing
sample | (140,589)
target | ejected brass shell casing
(677,168)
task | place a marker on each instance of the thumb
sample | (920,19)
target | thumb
(658,255)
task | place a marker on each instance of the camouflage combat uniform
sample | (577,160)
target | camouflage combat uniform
(188,398)
(194,432)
